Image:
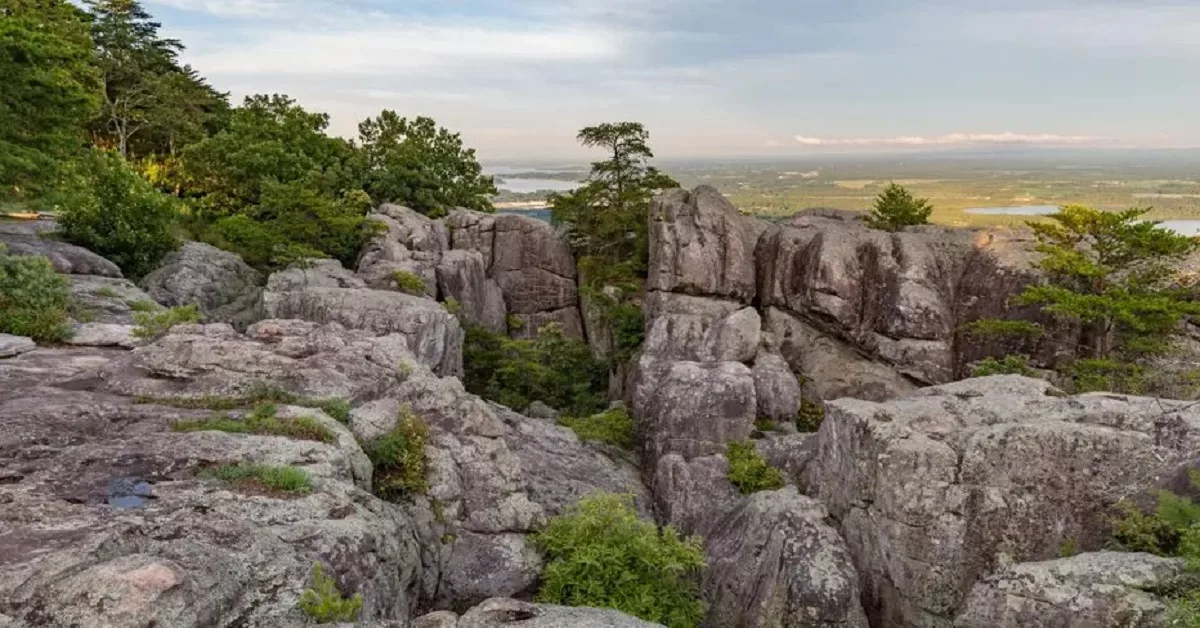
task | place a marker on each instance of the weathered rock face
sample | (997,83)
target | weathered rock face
(326,293)
(103,335)
(775,562)
(107,300)
(35,238)
(462,276)
(11,345)
(695,409)
(1100,589)
(934,491)
(776,387)
(410,242)
(508,612)
(219,283)
(112,523)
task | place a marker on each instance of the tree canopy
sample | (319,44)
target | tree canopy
(896,208)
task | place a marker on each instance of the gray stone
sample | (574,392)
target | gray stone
(539,410)
(679,325)
(935,490)
(508,612)
(107,299)
(694,409)
(1098,589)
(66,258)
(313,273)
(694,496)
(103,335)
(462,276)
(775,387)
(734,338)
(701,245)
(11,345)
(219,283)
(775,562)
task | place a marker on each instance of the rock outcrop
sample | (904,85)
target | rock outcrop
(498,612)
(223,287)
(936,490)
(36,238)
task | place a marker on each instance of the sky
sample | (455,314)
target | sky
(720,78)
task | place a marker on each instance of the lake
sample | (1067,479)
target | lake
(540,213)
(517,184)
(1182,227)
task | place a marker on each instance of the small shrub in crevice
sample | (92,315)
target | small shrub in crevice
(614,427)
(277,479)
(108,293)
(399,459)
(749,471)
(1008,365)
(335,407)
(142,305)
(153,325)
(600,554)
(810,416)
(325,603)
(34,300)
(262,420)
(409,283)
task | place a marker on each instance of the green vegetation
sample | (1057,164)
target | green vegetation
(262,420)
(153,325)
(51,90)
(600,554)
(1069,548)
(896,208)
(260,393)
(410,283)
(421,166)
(1173,529)
(1008,365)
(550,368)
(280,479)
(401,469)
(34,299)
(325,603)
(810,416)
(108,208)
(108,293)
(143,305)
(749,471)
(989,329)
(614,427)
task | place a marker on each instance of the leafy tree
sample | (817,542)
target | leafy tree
(50,90)
(896,207)
(1111,272)
(600,554)
(110,209)
(607,215)
(422,166)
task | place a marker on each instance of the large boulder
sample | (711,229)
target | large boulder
(776,562)
(1098,589)
(36,237)
(701,245)
(694,409)
(408,242)
(776,387)
(114,523)
(11,345)
(499,612)
(462,276)
(108,300)
(324,292)
(936,490)
(223,287)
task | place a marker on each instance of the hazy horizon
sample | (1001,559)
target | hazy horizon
(720,78)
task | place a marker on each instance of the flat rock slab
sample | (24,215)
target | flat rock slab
(11,345)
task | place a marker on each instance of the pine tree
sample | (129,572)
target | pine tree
(896,207)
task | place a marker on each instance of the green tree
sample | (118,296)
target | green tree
(50,90)
(422,166)
(896,208)
(108,208)
(600,554)
(1112,273)
(606,216)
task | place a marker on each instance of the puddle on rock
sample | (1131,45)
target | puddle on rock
(128,493)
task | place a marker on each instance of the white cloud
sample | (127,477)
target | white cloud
(952,139)
(226,8)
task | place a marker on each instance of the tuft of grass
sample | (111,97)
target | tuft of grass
(154,325)
(282,479)
(614,427)
(409,283)
(262,420)
(749,471)
(453,306)
(108,292)
(1069,548)
(810,416)
(764,425)
(142,305)
(335,407)
(399,459)
(325,603)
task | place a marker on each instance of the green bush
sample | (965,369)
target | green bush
(599,554)
(1008,365)
(410,283)
(34,299)
(749,471)
(614,427)
(1110,375)
(325,603)
(810,416)
(143,305)
(156,324)
(1173,529)
(107,208)
(551,368)
(399,458)
(896,208)
(262,420)
(283,479)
